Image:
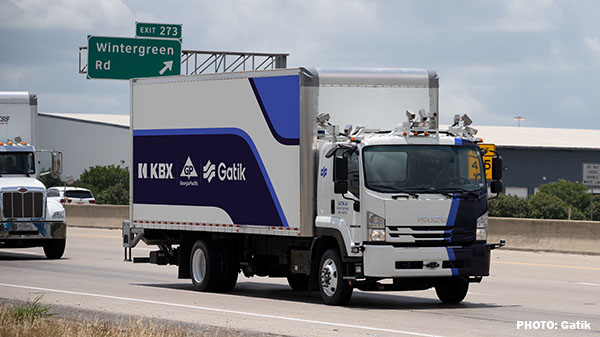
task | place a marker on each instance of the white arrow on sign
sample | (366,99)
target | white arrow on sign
(168,65)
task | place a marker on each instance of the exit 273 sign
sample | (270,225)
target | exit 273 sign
(158,30)
(126,58)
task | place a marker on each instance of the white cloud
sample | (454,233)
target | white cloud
(593,43)
(527,16)
(82,15)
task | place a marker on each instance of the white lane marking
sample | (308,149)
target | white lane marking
(220,310)
(588,284)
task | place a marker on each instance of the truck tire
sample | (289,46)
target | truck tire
(334,289)
(205,261)
(452,290)
(54,248)
(298,282)
(231,266)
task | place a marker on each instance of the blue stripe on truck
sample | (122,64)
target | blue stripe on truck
(247,202)
(279,101)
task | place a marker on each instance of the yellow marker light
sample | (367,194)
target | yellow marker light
(404,133)
(1,144)
(24,143)
(426,133)
(10,143)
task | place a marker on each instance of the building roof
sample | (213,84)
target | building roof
(110,119)
(526,137)
(504,136)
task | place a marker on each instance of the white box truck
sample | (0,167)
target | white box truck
(245,171)
(28,218)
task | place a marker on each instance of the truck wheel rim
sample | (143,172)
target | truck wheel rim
(199,265)
(329,277)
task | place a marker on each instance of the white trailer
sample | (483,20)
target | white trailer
(28,218)
(243,171)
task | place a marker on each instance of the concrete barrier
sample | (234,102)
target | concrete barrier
(520,234)
(567,236)
(98,216)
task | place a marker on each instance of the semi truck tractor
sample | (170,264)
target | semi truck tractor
(335,179)
(29,219)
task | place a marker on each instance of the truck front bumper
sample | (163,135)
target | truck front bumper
(387,261)
(32,230)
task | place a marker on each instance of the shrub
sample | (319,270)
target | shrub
(509,206)
(548,206)
(110,184)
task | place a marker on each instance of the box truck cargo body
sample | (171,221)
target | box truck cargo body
(28,218)
(245,171)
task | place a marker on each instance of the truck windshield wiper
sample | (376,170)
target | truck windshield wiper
(403,193)
(427,191)
(459,189)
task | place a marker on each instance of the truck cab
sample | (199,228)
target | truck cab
(410,204)
(28,218)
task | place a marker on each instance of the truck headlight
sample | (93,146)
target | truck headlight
(377,234)
(58,215)
(482,226)
(376,226)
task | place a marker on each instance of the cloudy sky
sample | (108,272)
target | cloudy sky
(496,59)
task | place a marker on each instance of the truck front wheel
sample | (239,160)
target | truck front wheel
(54,248)
(452,290)
(334,289)
(204,265)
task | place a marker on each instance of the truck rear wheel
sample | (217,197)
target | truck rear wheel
(54,248)
(298,282)
(452,290)
(204,265)
(231,266)
(334,289)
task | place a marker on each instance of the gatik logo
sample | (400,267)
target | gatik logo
(4,120)
(157,171)
(234,172)
(208,171)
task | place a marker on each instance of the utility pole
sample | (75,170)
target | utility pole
(519,119)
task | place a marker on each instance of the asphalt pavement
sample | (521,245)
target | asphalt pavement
(531,294)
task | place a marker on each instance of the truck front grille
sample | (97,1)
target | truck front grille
(22,205)
(430,235)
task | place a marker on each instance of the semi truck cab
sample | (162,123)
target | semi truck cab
(28,218)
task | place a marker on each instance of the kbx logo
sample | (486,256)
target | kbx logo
(157,171)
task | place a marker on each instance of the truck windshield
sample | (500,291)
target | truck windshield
(17,163)
(423,168)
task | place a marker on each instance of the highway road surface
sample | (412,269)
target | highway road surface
(528,294)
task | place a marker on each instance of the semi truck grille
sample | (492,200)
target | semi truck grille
(430,235)
(22,205)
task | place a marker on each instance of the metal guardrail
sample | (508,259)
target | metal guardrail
(204,62)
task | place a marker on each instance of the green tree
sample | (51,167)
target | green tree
(573,194)
(110,184)
(509,206)
(48,180)
(548,206)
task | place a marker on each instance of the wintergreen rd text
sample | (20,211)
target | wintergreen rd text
(129,49)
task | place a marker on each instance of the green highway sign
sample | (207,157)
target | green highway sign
(158,30)
(126,58)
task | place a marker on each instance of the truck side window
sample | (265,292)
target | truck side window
(353,173)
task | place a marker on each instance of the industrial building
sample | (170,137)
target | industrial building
(532,156)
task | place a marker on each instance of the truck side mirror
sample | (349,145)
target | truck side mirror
(340,168)
(496,186)
(56,164)
(497,168)
(340,175)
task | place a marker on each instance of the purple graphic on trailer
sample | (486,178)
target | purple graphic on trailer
(233,177)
